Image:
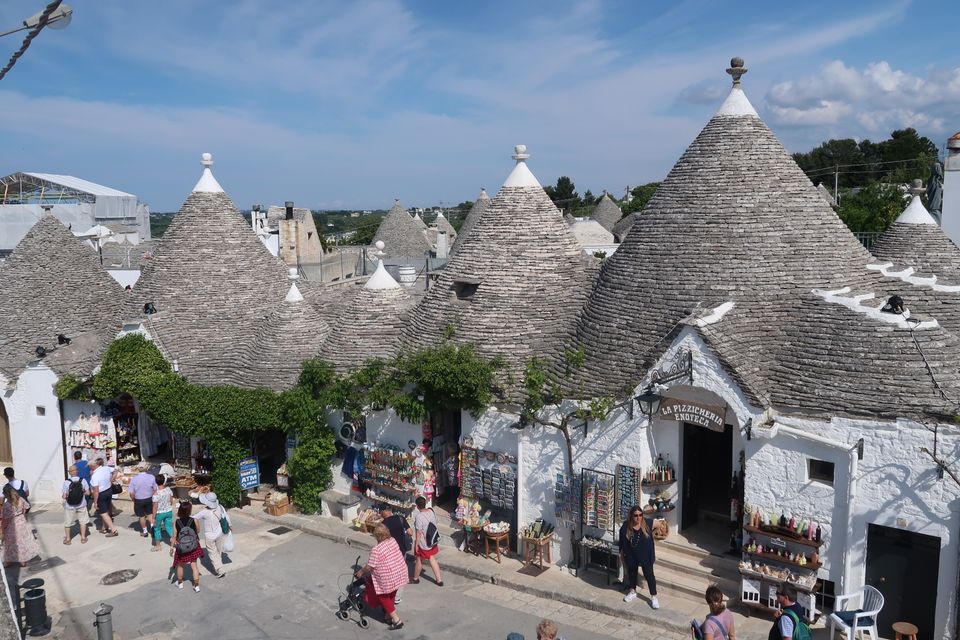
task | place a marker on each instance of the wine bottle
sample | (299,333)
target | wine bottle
(669,468)
(793,522)
(819,533)
(783,519)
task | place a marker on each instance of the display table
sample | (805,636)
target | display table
(473,540)
(534,550)
(499,541)
(610,564)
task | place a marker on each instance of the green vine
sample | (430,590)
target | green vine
(70,387)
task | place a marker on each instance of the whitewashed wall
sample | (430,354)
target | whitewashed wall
(895,486)
(37,441)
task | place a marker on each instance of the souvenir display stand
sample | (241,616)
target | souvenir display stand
(633,486)
(391,476)
(93,435)
(597,546)
(778,552)
(488,485)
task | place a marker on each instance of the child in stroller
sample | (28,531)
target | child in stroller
(352,597)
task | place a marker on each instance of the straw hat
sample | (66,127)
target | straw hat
(209,500)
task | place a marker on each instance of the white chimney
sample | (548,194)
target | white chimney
(950,211)
(443,247)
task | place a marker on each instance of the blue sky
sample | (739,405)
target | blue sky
(351,104)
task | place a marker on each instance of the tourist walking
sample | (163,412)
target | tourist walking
(19,545)
(400,529)
(215,526)
(162,512)
(637,553)
(427,544)
(718,625)
(75,492)
(101,483)
(385,572)
(186,549)
(789,618)
(19,485)
(547,630)
(83,472)
(142,487)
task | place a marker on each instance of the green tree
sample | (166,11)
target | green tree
(639,197)
(819,163)
(564,194)
(872,208)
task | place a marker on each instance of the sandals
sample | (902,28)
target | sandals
(154,548)
(66,541)
(83,540)
(394,626)
(113,534)
(415,581)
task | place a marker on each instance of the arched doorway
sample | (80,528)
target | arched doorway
(6,446)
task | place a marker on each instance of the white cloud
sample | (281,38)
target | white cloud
(870,101)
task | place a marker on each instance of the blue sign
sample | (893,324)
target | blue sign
(249,473)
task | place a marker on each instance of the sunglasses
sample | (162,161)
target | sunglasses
(636,515)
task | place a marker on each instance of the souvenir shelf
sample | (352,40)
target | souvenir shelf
(128,439)
(774,556)
(390,476)
(598,493)
(490,476)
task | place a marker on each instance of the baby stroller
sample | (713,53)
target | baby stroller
(351,598)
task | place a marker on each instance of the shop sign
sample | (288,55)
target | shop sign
(249,473)
(703,415)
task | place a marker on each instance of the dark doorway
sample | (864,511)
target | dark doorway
(707,469)
(270,449)
(445,427)
(904,566)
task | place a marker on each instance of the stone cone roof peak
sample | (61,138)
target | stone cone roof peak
(53,284)
(285,338)
(514,284)
(483,195)
(207,183)
(521,176)
(381,279)
(402,234)
(915,213)
(479,206)
(607,213)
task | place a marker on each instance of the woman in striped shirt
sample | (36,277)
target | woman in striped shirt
(385,572)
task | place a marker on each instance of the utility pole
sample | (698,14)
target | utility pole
(836,184)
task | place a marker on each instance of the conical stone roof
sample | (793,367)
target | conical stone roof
(735,220)
(515,284)
(368,324)
(915,250)
(53,284)
(479,206)
(444,225)
(622,228)
(607,213)
(293,333)
(402,235)
(212,283)
(419,221)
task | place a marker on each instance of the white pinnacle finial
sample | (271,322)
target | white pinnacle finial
(521,175)
(207,183)
(293,274)
(520,153)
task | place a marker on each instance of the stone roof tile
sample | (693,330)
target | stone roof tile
(401,234)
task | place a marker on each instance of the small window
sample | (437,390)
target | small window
(821,471)
(465,288)
(41,411)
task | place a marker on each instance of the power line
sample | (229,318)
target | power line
(834,168)
(30,36)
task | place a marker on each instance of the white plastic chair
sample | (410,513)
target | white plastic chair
(863,619)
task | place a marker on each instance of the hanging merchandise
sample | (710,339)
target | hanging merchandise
(490,476)
(128,439)
(566,493)
(390,475)
(597,508)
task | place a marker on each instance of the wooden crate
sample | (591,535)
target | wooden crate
(279,509)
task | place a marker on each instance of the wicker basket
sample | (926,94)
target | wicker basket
(278,509)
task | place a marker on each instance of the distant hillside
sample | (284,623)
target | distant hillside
(159,223)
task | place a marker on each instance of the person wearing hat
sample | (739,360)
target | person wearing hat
(215,523)
(142,487)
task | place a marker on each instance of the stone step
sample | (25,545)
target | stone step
(706,566)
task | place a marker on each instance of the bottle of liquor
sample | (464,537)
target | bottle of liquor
(793,522)
(783,519)
(818,534)
(669,469)
(810,530)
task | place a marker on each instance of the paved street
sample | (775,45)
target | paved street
(279,585)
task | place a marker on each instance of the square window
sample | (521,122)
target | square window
(41,411)
(820,471)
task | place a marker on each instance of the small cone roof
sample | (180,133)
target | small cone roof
(54,284)
(607,213)
(402,235)
(479,206)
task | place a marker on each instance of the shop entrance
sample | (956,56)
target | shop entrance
(705,478)
(904,566)
(270,448)
(445,427)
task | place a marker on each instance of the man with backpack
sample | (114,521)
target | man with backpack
(19,485)
(74,493)
(788,623)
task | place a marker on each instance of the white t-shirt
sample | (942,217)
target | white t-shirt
(164,500)
(101,478)
(210,519)
(19,485)
(66,489)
